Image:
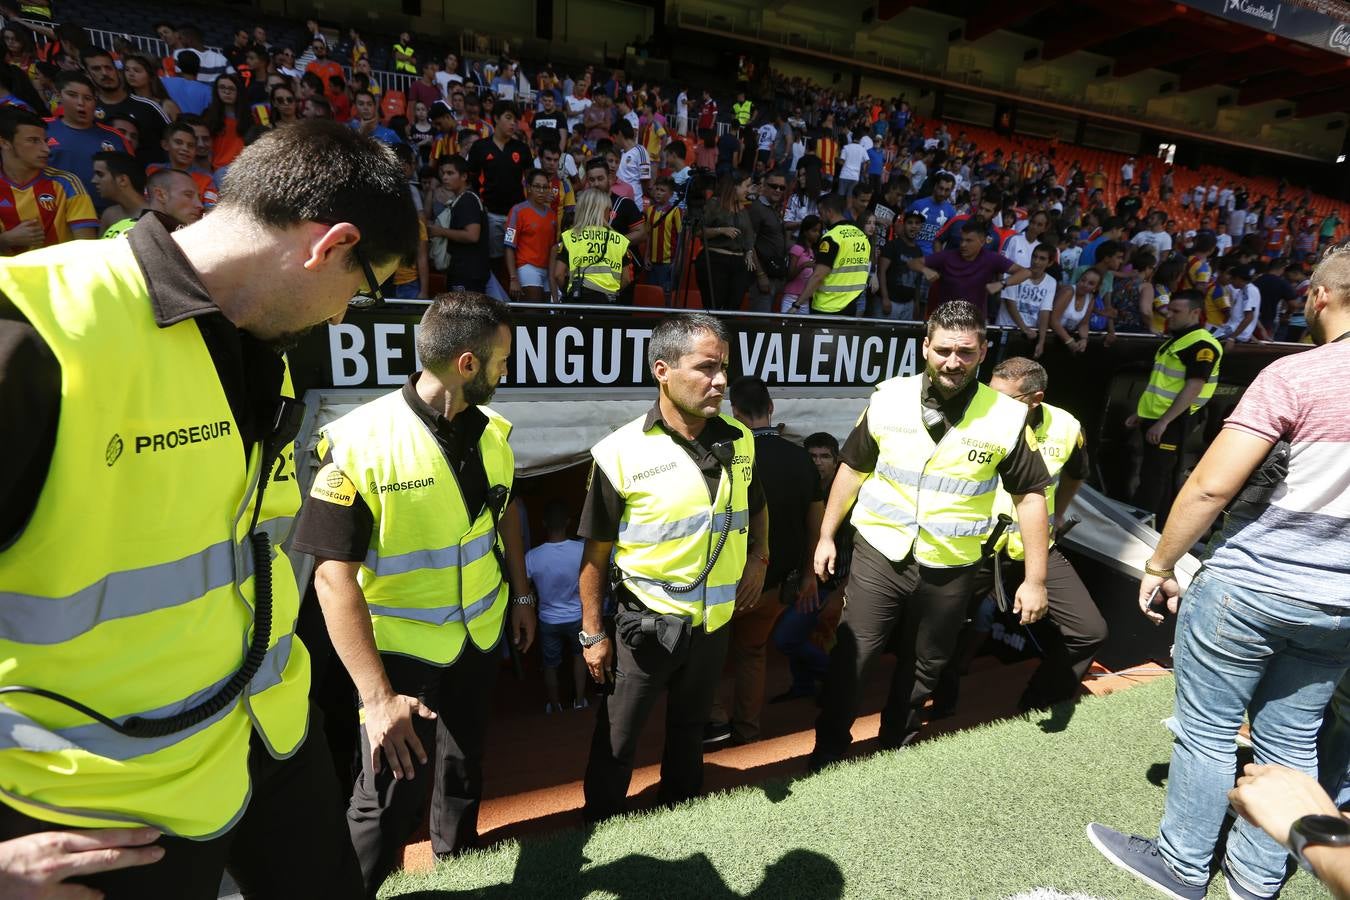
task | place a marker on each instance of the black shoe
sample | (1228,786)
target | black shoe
(793,693)
(716,733)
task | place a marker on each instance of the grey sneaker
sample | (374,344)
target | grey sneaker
(1139,856)
(1236,889)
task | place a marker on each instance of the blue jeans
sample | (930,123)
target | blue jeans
(1334,747)
(792,637)
(1237,650)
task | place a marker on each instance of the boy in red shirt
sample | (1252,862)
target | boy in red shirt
(531,228)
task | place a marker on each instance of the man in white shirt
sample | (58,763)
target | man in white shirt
(1198,198)
(1027,306)
(1127,172)
(1223,241)
(852,158)
(918,172)
(577,103)
(1226,198)
(635,166)
(449,75)
(1244,314)
(1156,237)
(766,135)
(682,112)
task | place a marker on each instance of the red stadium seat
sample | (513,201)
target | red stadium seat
(393,104)
(649,295)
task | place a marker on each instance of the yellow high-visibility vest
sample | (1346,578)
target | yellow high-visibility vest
(431,576)
(1168,377)
(404,65)
(595,256)
(1057,436)
(742,112)
(131,589)
(848,275)
(936,500)
(670,524)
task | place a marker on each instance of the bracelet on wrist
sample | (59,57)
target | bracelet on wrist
(1158,573)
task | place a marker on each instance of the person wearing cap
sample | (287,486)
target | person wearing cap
(1244,314)
(1185,373)
(446,142)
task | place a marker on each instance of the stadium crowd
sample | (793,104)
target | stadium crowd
(586,188)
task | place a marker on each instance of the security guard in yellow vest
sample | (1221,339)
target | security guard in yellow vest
(420,569)
(590,258)
(1080,628)
(150,484)
(405,59)
(674,498)
(924,464)
(1185,373)
(842,261)
(741,110)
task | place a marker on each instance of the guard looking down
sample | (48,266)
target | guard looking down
(152,676)
(674,497)
(924,464)
(1185,373)
(416,540)
(1082,630)
(842,261)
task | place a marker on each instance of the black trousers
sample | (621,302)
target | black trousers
(689,678)
(722,279)
(915,610)
(1160,467)
(291,841)
(385,812)
(1069,635)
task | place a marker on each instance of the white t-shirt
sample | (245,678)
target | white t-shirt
(1226,199)
(854,157)
(445,79)
(1031,299)
(1074,315)
(1223,243)
(1127,172)
(634,165)
(1159,241)
(1198,195)
(798,151)
(918,174)
(576,107)
(682,105)
(1244,300)
(1237,223)
(767,134)
(1018,249)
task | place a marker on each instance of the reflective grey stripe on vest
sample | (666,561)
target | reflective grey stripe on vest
(660,532)
(444,558)
(482,604)
(438,615)
(1173,373)
(19,732)
(841,288)
(33,619)
(866,267)
(595,270)
(945,484)
(708,596)
(1161,392)
(868,500)
(959,529)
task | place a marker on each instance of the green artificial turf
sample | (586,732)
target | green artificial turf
(990,812)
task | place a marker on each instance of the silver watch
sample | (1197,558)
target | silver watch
(590,640)
(523,600)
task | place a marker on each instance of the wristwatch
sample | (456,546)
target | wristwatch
(523,600)
(1317,831)
(590,640)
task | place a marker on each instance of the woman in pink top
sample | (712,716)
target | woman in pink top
(801,261)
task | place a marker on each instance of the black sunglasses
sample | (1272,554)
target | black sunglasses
(372,295)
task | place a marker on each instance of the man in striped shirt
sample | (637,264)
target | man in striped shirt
(1261,630)
(664,221)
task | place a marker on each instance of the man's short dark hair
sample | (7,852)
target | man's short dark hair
(1109,248)
(1027,373)
(624,129)
(190,34)
(861,189)
(503,109)
(556,514)
(163,178)
(1111,223)
(366,94)
(957,315)
(832,202)
(944,176)
(457,322)
(120,163)
(180,124)
(12,117)
(1204,242)
(595,162)
(89,53)
(750,395)
(73,76)
(677,148)
(673,336)
(320,171)
(1194,298)
(824,440)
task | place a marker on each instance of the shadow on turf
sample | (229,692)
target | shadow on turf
(552,868)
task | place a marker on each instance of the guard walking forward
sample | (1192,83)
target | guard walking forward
(417,539)
(924,464)
(674,497)
(842,262)
(1080,626)
(1185,373)
(148,488)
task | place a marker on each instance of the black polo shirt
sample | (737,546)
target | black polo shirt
(250,372)
(794,484)
(500,173)
(333,531)
(603,511)
(1021,471)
